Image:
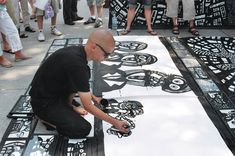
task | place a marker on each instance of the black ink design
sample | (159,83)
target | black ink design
(22,108)
(130,46)
(123,111)
(111,78)
(42,144)
(12,147)
(218,56)
(132,59)
(19,128)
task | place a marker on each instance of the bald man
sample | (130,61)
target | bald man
(64,74)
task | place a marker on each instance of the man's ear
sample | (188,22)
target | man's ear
(93,45)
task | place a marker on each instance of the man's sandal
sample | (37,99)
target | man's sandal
(152,32)
(193,31)
(175,30)
(125,32)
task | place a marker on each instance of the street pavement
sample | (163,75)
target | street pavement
(15,81)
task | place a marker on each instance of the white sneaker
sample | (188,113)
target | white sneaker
(41,36)
(55,31)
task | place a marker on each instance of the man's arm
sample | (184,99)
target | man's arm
(86,99)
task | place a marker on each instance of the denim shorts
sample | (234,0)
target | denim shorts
(146,3)
(97,2)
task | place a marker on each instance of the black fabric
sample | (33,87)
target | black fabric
(63,73)
(69,10)
(57,112)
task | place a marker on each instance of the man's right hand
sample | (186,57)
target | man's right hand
(122,126)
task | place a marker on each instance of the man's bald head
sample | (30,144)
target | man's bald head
(99,45)
(102,37)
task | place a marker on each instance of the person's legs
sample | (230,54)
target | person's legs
(130,17)
(3,61)
(8,28)
(54,30)
(189,15)
(91,5)
(74,9)
(66,120)
(41,36)
(26,15)
(148,16)
(99,6)
(172,12)
(67,12)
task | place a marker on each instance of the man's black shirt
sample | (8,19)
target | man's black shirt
(63,73)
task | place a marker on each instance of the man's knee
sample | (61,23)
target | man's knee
(74,130)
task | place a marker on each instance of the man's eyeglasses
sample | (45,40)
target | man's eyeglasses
(106,54)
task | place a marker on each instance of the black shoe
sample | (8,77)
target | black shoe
(69,23)
(77,18)
(29,29)
(90,20)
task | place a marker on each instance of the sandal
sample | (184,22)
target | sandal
(29,29)
(23,36)
(175,30)
(8,51)
(193,31)
(125,32)
(152,32)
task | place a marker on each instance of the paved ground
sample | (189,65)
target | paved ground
(14,81)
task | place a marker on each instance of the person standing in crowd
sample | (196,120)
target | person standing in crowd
(131,14)
(70,12)
(40,13)
(26,16)
(32,16)
(99,7)
(8,28)
(64,74)
(189,13)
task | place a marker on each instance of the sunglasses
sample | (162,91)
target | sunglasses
(106,54)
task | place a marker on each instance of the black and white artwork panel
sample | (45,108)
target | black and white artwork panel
(158,76)
(12,147)
(168,126)
(42,144)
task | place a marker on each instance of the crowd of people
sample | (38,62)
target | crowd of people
(15,12)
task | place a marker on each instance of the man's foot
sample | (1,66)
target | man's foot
(69,23)
(5,63)
(98,23)
(193,31)
(90,20)
(55,31)
(152,32)
(29,29)
(41,36)
(125,32)
(175,30)
(19,56)
(77,18)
